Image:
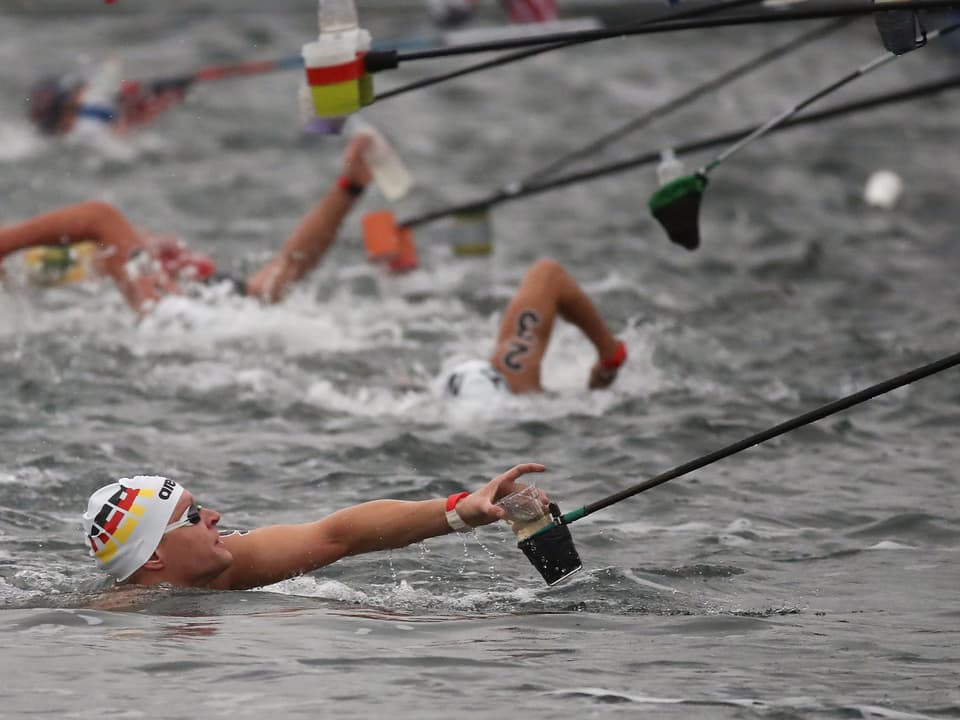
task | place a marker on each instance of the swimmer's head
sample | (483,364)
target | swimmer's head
(126,520)
(53,103)
(171,256)
(178,259)
(474,380)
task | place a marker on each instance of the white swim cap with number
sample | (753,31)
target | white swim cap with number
(125,520)
(474,380)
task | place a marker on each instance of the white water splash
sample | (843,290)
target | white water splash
(18,141)
(891,545)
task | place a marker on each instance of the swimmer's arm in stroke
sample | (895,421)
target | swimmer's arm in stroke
(272,554)
(100,223)
(309,242)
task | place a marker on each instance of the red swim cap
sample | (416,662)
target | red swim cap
(177,259)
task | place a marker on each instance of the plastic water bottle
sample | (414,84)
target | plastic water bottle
(337,16)
(340,17)
(105,83)
(670,167)
(98,104)
(340,43)
(389,172)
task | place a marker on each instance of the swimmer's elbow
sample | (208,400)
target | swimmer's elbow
(100,220)
(98,210)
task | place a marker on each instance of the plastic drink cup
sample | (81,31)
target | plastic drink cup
(472,233)
(335,89)
(389,172)
(526,514)
(339,85)
(546,542)
(670,167)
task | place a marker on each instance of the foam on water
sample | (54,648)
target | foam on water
(211,338)
(405,596)
(18,142)
(796,704)
(875,711)
(800,704)
(300,326)
(891,545)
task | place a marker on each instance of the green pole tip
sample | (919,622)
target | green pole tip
(677,189)
(676,206)
(574,515)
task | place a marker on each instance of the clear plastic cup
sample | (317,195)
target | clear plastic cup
(389,172)
(526,513)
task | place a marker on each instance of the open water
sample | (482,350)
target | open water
(815,576)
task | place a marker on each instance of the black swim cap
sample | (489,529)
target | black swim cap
(49,101)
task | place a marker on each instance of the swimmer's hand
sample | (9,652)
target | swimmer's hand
(601,377)
(604,370)
(478,508)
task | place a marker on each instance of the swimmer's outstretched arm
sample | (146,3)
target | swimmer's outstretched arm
(302,251)
(96,222)
(275,553)
(141,105)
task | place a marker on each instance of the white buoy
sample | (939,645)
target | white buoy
(883,189)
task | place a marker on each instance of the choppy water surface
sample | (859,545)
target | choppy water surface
(813,577)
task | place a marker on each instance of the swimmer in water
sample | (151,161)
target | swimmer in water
(146,268)
(150,530)
(453,13)
(547,290)
(60,105)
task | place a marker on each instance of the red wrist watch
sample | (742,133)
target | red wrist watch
(349,186)
(617,359)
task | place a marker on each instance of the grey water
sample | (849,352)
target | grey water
(814,576)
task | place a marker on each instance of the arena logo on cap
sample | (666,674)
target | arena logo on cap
(167,490)
(118,518)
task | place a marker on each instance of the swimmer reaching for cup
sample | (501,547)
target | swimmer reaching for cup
(150,530)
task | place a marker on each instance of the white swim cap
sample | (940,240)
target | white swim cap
(125,520)
(474,380)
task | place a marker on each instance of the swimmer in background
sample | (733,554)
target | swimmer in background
(149,530)
(453,13)
(146,268)
(60,106)
(546,290)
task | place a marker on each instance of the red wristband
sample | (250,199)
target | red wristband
(617,359)
(349,187)
(454,499)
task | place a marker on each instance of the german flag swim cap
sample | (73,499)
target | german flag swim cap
(125,520)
